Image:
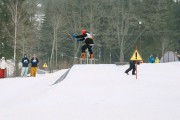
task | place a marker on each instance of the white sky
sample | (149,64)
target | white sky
(95,92)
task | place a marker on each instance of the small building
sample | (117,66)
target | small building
(169,56)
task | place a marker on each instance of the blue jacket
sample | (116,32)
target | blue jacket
(151,59)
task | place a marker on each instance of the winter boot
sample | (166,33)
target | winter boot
(91,56)
(83,55)
(126,73)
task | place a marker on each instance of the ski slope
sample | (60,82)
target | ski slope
(95,92)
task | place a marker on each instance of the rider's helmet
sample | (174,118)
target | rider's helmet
(83,32)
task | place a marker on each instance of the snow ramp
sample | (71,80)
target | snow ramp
(90,72)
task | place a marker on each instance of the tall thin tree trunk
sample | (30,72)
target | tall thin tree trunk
(15,37)
(56,48)
(122,35)
(52,51)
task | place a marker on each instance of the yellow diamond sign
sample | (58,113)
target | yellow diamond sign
(136,56)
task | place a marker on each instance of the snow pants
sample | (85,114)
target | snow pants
(33,71)
(24,71)
(84,47)
(133,68)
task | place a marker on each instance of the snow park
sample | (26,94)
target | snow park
(89,59)
(107,94)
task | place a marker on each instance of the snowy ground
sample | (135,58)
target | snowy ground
(95,92)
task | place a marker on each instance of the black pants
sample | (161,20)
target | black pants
(132,67)
(84,47)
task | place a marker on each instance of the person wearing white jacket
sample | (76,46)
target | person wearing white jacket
(3,66)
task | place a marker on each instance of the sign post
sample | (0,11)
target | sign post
(45,66)
(136,57)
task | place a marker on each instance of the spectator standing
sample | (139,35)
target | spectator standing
(34,64)
(3,66)
(25,61)
(157,60)
(151,59)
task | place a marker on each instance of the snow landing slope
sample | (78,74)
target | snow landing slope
(95,92)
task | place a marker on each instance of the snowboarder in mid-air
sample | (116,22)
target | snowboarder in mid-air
(87,38)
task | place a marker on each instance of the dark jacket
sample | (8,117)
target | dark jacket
(85,38)
(25,62)
(132,63)
(34,62)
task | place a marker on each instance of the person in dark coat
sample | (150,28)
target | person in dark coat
(25,62)
(89,43)
(132,66)
(34,65)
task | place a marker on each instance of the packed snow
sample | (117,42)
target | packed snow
(95,92)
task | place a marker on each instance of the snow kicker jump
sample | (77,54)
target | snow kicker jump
(87,72)
(62,77)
